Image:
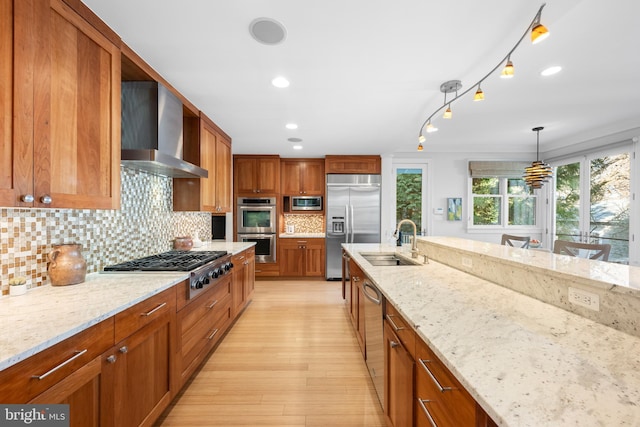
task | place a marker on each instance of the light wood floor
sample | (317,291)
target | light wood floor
(291,359)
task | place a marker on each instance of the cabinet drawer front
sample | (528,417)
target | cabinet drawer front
(204,306)
(27,379)
(435,382)
(143,313)
(402,329)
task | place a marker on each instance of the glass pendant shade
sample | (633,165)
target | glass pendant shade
(538,33)
(479,96)
(431,128)
(539,172)
(420,147)
(447,114)
(507,71)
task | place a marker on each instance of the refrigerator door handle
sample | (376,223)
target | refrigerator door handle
(351,218)
(347,224)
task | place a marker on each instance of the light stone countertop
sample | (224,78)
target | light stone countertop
(527,363)
(301,235)
(47,315)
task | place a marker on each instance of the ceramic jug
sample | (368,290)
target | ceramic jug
(67,266)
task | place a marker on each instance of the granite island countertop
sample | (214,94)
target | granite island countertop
(527,363)
(47,315)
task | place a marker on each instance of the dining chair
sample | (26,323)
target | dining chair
(522,241)
(600,250)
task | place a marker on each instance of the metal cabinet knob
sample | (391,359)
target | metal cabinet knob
(112,359)
(124,349)
(46,199)
(394,344)
(27,198)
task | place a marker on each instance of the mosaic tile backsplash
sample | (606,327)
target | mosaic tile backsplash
(305,223)
(144,225)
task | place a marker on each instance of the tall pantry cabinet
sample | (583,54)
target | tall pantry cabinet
(60,102)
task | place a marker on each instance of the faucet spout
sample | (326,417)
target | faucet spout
(414,245)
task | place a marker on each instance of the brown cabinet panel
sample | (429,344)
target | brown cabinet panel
(353,164)
(256,175)
(65,132)
(298,258)
(398,380)
(401,328)
(145,312)
(302,177)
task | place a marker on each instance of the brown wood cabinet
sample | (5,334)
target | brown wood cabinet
(137,372)
(302,177)
(212,194)
(353,164)
(243,279)
(357,302)
(62,148)
(398,379)
(201,325)
(301,257)
(256,175)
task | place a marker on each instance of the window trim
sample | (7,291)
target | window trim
(504,213)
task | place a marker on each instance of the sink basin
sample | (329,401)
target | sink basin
(386,259)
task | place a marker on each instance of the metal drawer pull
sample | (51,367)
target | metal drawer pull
(395,327)
(124,349)
(154,310)
(426,411)
(433,378)
(394,344)
(212,304)
(213,334)
(77,354)
(112,359)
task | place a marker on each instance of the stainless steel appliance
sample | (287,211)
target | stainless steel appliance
(306,203)
(374,339)
(205,267)
(265,245)
(353,216)
(256,215)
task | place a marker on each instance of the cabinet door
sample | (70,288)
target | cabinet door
(291,177)
(81,391)
(398,380)
(290,257)
(360,316)
(208,140)
(137,374)
(268,175)
(239,281)
(314,178)
(16,120)
(76,111)
(314,258)
(250,276)
(223,175)
(244,169)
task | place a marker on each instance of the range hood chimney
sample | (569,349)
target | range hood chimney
(152,131)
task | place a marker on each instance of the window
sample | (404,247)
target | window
(502,202)
(410,196)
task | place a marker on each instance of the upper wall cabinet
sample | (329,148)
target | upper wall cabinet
(302,177)
(256,175)
(62,148)
(353,164)
(211,194)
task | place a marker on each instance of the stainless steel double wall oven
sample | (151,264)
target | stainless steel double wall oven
(257,222)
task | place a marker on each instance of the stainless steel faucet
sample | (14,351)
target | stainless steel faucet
(414,245)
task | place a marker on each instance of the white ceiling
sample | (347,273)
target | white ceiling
(365,74)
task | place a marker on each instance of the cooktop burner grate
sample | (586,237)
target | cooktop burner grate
(168,261)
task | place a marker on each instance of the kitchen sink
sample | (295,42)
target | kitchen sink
(386,259)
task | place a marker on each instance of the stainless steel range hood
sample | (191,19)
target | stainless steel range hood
(152,137)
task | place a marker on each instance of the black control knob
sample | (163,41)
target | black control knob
(215,273)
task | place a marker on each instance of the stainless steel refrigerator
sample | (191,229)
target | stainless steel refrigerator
(353,215)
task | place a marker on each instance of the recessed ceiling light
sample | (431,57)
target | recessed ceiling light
(280,82)
(294,139)
(297,147)
(551,71)
(291,126)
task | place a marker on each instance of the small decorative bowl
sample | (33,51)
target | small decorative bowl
(535,245)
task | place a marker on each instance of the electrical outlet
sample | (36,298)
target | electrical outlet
(466,262)
(584,299)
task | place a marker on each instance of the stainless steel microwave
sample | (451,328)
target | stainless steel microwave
(306,203)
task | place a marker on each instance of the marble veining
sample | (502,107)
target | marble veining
(46,315)
(526,362)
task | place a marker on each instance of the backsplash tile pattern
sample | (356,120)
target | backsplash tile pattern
(144,225)
(305,223)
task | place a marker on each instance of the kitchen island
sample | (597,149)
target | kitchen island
(526,362)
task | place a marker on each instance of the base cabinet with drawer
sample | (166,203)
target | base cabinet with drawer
(304,257)
(244,266)
(137,372)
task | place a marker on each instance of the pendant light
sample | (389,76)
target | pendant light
(479,96)
(507,71)
(539,172)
